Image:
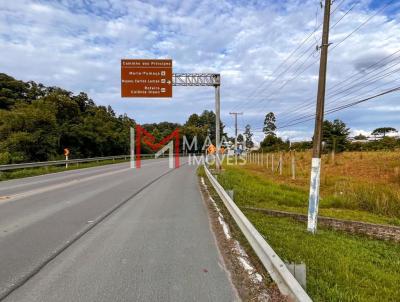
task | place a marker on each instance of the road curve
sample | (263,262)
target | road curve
(156,247)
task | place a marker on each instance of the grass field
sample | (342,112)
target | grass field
(363,186)
(340,267)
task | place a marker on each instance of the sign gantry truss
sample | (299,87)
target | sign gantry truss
(196,79)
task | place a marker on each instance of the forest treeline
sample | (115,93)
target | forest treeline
(38,122)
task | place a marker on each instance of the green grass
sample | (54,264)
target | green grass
(21,173)
(364,181)
(251,189)
(340,267)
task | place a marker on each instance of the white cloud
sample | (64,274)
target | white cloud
(79,48)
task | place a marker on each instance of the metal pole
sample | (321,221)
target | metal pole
(217,121)
(132,146)
(236,126)
(316,160)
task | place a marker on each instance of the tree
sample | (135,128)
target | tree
(335,135)
(383,131)
(274,143)
(269,124)
(202,126)
(248,135)
(360,137)
(37,122)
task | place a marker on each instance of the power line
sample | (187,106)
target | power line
(362,24)
(367,82)
(255,91)
(348,36)
(344,15)
(355,30)
(251,96)
(311,117)
(330,103)
(372,68)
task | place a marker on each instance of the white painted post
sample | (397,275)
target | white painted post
(272,162)
(314,194)
(293,165)
(66,164)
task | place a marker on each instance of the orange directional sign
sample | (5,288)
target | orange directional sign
(211,149)
(146,78)
(66,151)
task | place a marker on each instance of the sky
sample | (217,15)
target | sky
(78,45)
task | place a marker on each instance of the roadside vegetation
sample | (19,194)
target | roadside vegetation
(340,266)
(361,186)
(360,181)
(38,122)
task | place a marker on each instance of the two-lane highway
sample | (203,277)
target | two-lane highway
(113,234)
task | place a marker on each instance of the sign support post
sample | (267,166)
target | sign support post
(217,121)
(66,154)
(144,78)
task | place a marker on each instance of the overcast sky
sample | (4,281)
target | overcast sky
(78,44)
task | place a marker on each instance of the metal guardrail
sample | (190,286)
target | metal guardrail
(277,269)
(63,162)
(71,161)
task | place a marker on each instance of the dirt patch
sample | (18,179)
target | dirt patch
(248,275)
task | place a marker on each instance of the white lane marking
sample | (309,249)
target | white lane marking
(58,186)
(33,180)
(13,197)
(13,224)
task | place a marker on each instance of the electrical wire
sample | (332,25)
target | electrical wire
(371,68)
(330,111)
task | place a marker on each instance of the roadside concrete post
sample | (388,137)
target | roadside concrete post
(262,158)
(313,202)
(272,162)
(293,165)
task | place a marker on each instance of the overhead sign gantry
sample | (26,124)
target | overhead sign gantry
(148,78)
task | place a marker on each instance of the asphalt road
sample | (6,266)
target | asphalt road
(143,235)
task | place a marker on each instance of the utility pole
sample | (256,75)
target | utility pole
(217,120)
(316,160)
(236,126)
